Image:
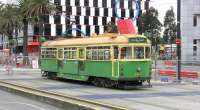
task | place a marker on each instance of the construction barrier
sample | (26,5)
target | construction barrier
(165,75)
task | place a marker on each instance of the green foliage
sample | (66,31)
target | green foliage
(112,28)
(169,34)
(10,20)
(149,25)
(33,11)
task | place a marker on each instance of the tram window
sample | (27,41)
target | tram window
(81,53)
(126,53)
(43,52)
(147,52)
(60,53)
(116,52)
(48,53)
(70,53)
(107,55)
(139,52)
(98,53)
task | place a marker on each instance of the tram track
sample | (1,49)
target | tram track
(60,100)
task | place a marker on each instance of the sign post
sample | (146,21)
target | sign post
(178,41)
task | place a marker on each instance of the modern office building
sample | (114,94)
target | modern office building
(190,30)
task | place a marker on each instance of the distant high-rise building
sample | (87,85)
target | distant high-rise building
(190,29)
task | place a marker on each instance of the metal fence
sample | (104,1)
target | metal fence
(18,61)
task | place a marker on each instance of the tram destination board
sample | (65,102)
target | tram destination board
(137,40)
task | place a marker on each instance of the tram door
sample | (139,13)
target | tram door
(60,58)
(81,59)
(116,52)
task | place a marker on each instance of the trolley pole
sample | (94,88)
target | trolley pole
(178,40)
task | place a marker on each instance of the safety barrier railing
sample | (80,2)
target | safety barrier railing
(20,62)
(166,70)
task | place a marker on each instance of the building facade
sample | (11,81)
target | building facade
(84,17)
(190,30)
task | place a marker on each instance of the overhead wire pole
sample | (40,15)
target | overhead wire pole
(178,40)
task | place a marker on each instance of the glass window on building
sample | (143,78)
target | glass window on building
(194,41)
(57,19)
(67,2)
(104,3)
(195,21)
(86,2)
(57,2)
(77,2)
(59,30)
(194,50)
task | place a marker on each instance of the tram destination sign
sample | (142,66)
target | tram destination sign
(137,40)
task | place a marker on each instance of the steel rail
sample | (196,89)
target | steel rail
(59,97)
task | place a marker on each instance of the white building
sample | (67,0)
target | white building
(190,29)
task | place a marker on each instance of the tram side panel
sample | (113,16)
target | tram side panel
(49,65)
(69,69)
(134,70)
(99,68)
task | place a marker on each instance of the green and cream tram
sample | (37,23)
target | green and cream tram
(108,60)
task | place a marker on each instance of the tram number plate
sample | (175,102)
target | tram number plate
(137,40)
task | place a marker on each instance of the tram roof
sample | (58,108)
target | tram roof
(108,38)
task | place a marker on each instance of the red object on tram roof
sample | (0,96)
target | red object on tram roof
(126,26)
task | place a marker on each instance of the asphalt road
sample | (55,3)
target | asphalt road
(10,101)
(162,96)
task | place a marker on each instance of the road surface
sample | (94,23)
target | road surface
(162,96)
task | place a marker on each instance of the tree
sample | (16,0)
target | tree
(10,21)
(169,34)
(33,11)
(149,25)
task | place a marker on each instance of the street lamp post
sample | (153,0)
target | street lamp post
(179,39)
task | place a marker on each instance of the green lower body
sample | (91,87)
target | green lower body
(84,70)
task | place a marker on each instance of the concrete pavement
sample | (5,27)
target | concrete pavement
(10,101)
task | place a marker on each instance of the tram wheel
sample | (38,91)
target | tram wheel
(96,82)
(109,83)
(121,85)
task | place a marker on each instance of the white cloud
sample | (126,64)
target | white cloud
(162,6)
